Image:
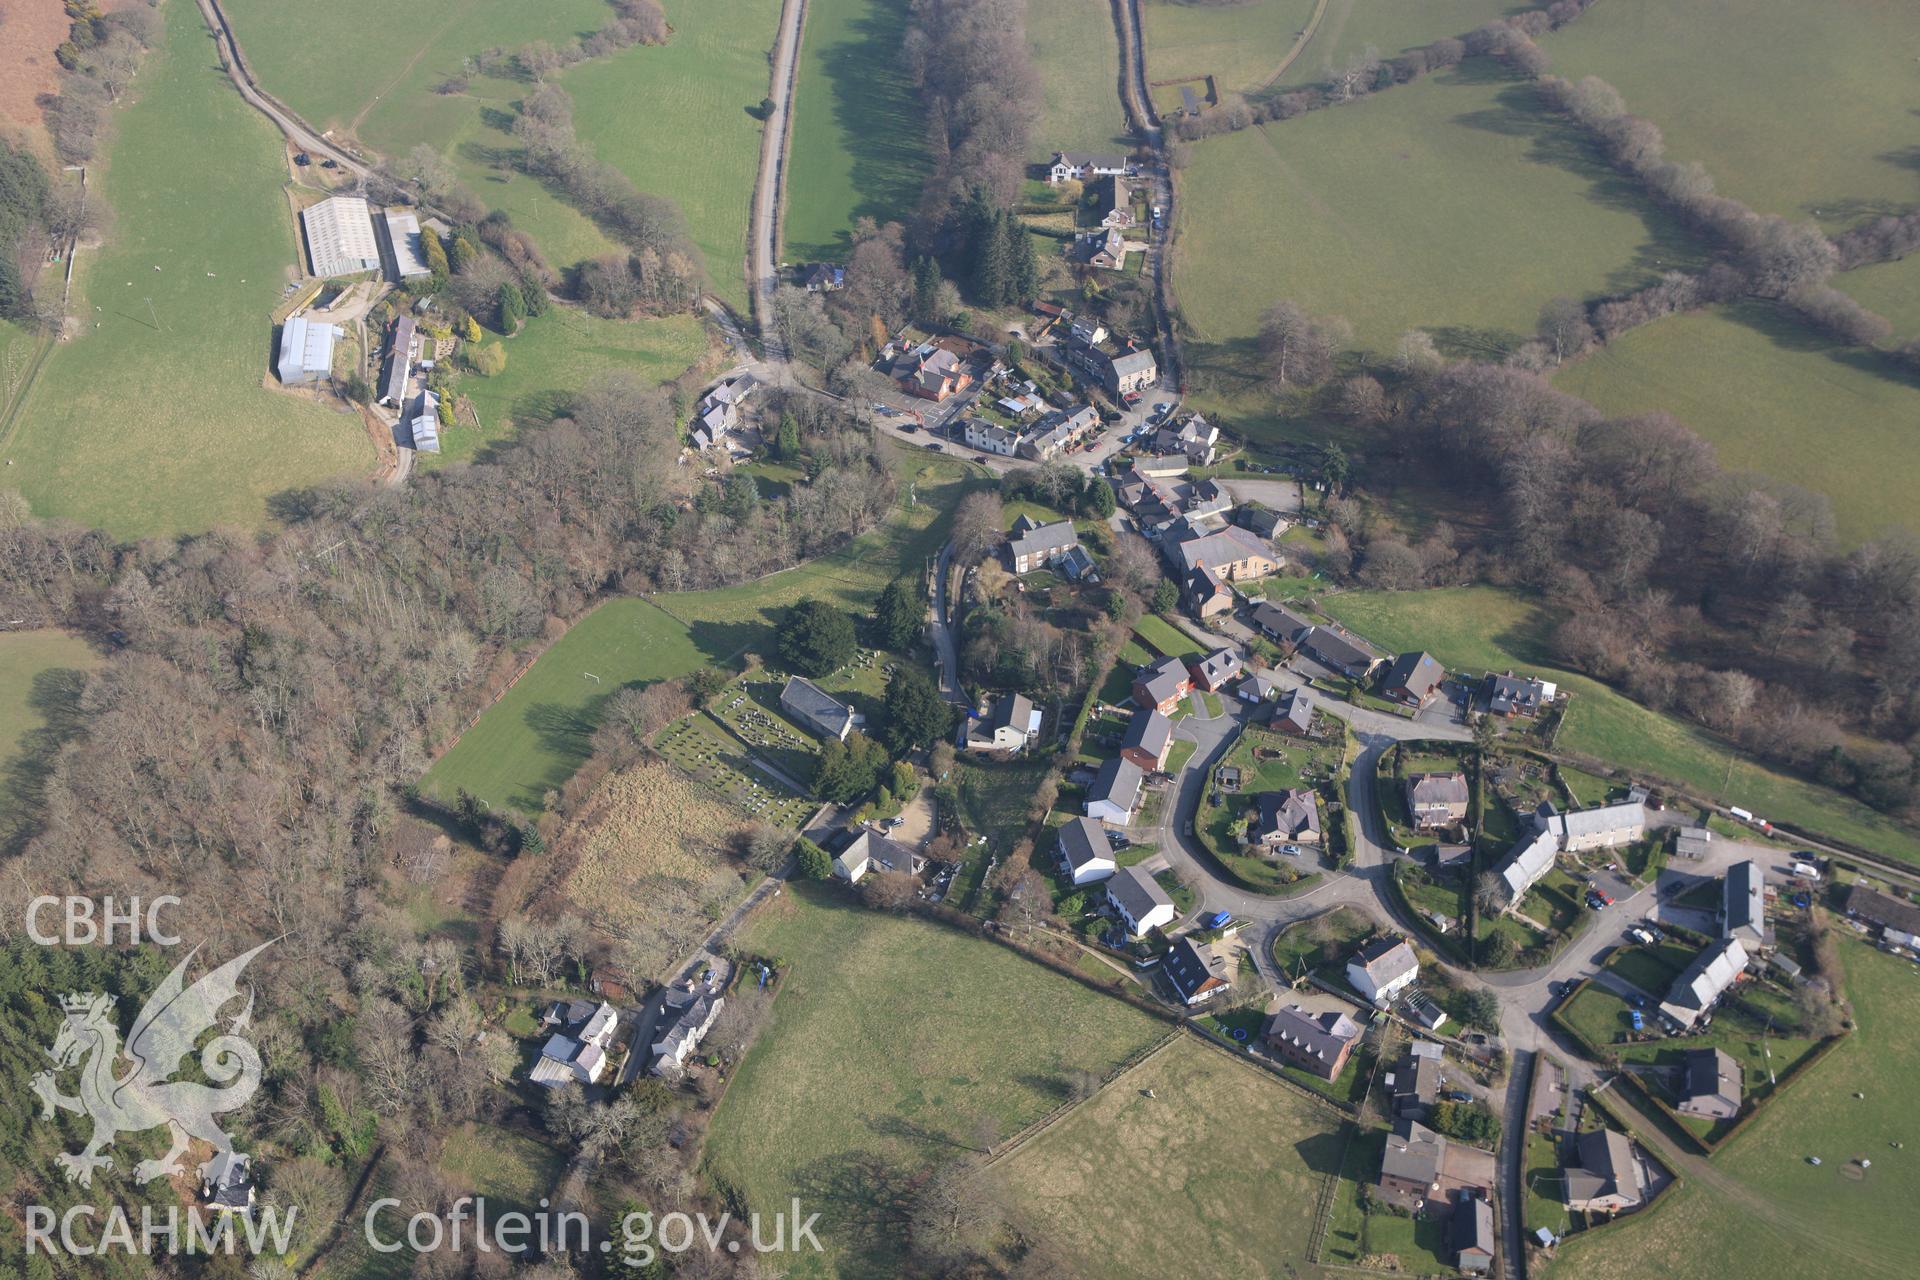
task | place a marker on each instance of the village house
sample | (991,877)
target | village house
(1278,624)
(1138,902)
(1410,1165)
(1295,713)
(1078,166)
(1207,595)
(1233,554)
(1436,800)
(863,849)
(1158,503)
(686,1015)
(1262,522)
(1086,855)
(990,437)
(1196,973)
(815,709)
(1509,695)
(1608,1177)
(822,277)
(1148,738)
(1382,969)
(1283,818)
(1162,685)
(1414,1081)
(1711,1084)
(1414,679)
(1114,202)
(1106,249)
(1470,1234)
(1216,670)
(1897,919)
(1114,792)
(226,1182)
(1550,834)
(1033,545)
(1010,725)
(1743,905)
(1338,651)
(931,372)
(1193,440)
(1316,1042)
(576,1051)
(1056,431)
(1121,370)
(1086,331)
(1702,983)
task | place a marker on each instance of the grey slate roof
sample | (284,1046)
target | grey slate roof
(1606,1168)
(1219,666)
(823,712)
(1414,1153)
(1882,909)
(1296,707)
(1148,731)
(1083,841)
(1337,648)
(1320,1035)
(1163,679)
(1137,892)
(1277,622)
(1744,905)
(1509,693)
(1190,967)
(1118,782)
(1287,814)
(1414,672)
(1385,959)
(1712,1076)
(1047,537)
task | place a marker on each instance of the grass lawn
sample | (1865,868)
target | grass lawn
(554,359)
(511,1170)
(1179,1201)
(536,736)
(1239,45)
(1774,397)
(1217,824)
(159,421)
(1599,1014)
(39,695)
(859,1082)
(1652,969)
(1890,288)
(1775,1214)
(858,147)
(1179,753)
(1739,84)
(1077,55)
(1391,26)
(1381,215)
(1298,947)
(1163,637)
(994,798)
(1484,628)
(1420,1246)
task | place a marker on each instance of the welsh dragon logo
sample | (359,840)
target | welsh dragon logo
(143,1095)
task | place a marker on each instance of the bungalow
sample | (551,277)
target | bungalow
(1114,792)
(1284,817)
(577,1054)
(1197,974)
(1261,521)
(865,849)
(686,1015)
(822,277)
(1436,799)
(1704,981)
(1711,1084)
(1509,695)
(1215,671)
(1382,969)
(989,437)
(817,710)
(1162,685)
(1033,545)
(1333,648)
(1898,920)
(1295,715)
(1316,1042)
(1009,726)
(1148,739)
(1138,901)
(1414,679)
(1743,904)
(1608,1177)
(1470,1234)
(1086,856)
(226,1182)
(1115,202)
(1410,1165)
(1078,166)
(1278,624)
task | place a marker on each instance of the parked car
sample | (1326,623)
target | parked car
(1457,1095)
(935,446)
(909,428)
(1215,921)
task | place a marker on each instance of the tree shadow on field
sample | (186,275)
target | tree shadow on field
(877,114)
(898,1126)
(1322,1152)
(1784,330)
(55,698)
(862,1200)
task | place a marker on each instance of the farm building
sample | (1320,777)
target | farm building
(400,253)
(306,350)
(393,380)
(423,426)
(1470,1233)
(1743,907)
(340,238)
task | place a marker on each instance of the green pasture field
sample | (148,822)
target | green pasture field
(39,694)
(1770,1212)
(1376,212)
(1167,1124)
(157,419)
(1891,289)
(1077,55)
(1239,45)
(1796,109)
(512,1171)
(535,736)
(859,143)
(555,358)
(1773,396)
(1391,26)
(1484,628)
(860,1083)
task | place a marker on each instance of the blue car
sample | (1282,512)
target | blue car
(1217,920)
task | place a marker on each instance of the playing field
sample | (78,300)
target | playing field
(1078,58)
(1767,1210)
(859,138)
(553,360)
(39,685)
(1482,628)
(1776,398)
(895,1044)
(1744,85)
(1392,27)
(156,419)
(1167,1123)
(1378,212)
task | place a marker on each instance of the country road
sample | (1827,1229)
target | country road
(763,245)
(297,131)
